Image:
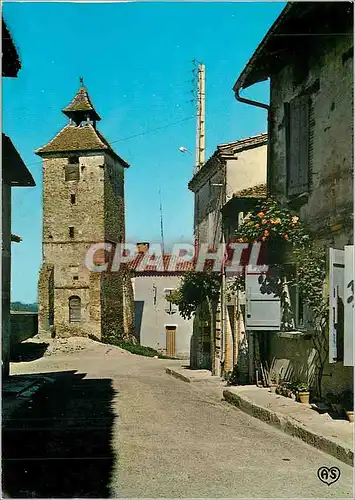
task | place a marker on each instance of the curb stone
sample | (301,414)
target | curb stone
(199,377)
(292,427)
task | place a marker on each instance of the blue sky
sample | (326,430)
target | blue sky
(136,60)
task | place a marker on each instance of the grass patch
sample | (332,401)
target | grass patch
(141,350)
(138,349)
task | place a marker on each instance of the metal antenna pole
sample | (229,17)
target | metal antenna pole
(200,132)
(161,222)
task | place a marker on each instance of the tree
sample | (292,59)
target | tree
(195,290)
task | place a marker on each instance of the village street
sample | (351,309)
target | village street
(155,437)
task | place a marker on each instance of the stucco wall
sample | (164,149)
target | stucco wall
(247,169)
(151,317)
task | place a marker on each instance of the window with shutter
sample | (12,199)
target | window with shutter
(74,309)
(170,308)
(297,144)
(72,172)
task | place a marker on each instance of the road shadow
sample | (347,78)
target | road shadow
(27,351)
(59,445)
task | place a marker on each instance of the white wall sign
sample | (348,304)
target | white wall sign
(336,297)
(349,300)
(263,310)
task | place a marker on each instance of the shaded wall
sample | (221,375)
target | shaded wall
(24,325)
(6,276)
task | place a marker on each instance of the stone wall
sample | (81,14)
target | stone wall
(296,355)
(94,207)
(45,297)
(328,208)
(24,325)
(330,201)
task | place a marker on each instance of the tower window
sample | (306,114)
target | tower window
(72,199)
(72,169)
(73,160)
(74,309)
(75,278)
(71,231)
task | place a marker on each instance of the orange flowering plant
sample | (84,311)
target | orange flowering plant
(271,222)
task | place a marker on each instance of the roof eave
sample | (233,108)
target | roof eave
(48,154)
(245,79)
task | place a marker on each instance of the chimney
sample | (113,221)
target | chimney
(142,247)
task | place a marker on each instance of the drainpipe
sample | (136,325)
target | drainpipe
(258,105)
(223,290)
(249,101)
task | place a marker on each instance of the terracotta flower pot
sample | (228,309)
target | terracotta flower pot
(303,397)
(350,415)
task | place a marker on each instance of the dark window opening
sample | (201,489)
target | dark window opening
(75,277)
(348,55)
(298,144)
(74,309)
(72,172)
(71,231)
(72,199)
(73,160)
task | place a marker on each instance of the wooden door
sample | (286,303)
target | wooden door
(170,332)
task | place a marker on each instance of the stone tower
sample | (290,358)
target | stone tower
(83,204)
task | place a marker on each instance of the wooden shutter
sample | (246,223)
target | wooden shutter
(336,280)
(72,172)
(297,145)
(263,310)
(74,310)
(349,306)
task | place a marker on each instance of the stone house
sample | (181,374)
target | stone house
(158,323)
(83,204)
(14,174)
(233,167)
(310,160)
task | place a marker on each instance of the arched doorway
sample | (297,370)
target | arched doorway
(74,309)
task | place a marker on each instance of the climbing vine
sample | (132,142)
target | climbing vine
(281,231)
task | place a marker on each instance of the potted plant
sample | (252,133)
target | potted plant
(348,403)
(273,383)
(303,393)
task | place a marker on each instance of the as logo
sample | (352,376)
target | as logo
(328,475)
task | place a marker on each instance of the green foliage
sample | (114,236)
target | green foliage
(279,228)
(19,306)
(277,225)
(140,350)
(195,289)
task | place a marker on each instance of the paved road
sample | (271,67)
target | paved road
(121,427)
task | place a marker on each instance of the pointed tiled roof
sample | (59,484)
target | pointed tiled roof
(81,103)
(78,138)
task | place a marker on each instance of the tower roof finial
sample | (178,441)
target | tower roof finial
(81,106)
